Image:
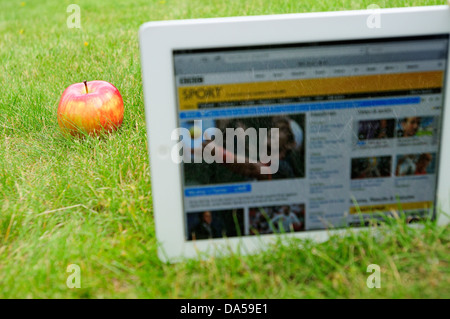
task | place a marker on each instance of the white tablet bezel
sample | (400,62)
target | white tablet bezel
(159,39)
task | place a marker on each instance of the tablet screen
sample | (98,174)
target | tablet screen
(301,137)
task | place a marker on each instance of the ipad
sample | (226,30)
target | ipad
(294,125)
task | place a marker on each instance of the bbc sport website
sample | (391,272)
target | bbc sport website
(359,128)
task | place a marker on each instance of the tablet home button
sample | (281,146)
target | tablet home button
(163,151)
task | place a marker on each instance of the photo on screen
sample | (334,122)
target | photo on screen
(417,126)
(291,151)
(371,167)
(209,224)
(276,219)
(376,129)
(415,164)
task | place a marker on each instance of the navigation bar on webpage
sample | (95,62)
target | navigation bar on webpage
(310,73)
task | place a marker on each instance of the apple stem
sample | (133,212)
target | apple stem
(85,84)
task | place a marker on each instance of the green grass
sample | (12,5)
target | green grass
(66,201)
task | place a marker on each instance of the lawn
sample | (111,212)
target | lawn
(89,202)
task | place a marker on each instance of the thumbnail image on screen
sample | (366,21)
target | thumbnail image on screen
(371,167)
(415,164)
(276,219)
(417,126)
(291,151)
(376,129)
(215,224)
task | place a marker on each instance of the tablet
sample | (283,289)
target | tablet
(294,125)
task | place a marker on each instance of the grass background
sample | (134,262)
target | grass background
(65,201)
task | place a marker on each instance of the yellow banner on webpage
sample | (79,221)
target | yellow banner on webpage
(191,96)
(391,207)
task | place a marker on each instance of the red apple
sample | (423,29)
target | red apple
(90,107)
